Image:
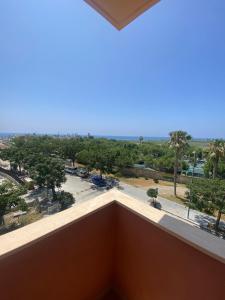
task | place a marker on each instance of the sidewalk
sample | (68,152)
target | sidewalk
(174,208)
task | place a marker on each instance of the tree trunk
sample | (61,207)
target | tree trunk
(53,194)
(2,220)
(88,170)
(218,220)
(175,176)
(215,166)
(73,162)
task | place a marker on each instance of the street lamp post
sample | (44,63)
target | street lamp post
(192,178)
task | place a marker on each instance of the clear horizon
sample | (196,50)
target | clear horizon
(101,135)
(65,69)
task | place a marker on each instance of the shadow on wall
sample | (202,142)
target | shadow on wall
(153,264)
(112,248)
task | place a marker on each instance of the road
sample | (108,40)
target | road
(82,190)
(171,207)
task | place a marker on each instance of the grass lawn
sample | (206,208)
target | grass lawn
(165,188)
(12,223)
(173,198)
(195,142)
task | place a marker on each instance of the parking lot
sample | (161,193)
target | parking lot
(82,189)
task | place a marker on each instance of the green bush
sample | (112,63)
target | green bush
(152,193)
(168,177)
(22,205)
(65,199)
(29,185)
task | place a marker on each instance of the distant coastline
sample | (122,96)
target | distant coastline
(5,135)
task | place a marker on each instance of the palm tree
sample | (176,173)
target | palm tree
(216,152)
(178,143)
(141,139)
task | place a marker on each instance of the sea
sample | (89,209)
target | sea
(7,135)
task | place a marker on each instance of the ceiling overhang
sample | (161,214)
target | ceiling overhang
(121,12)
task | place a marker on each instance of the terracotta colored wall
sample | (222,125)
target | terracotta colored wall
(152,264)
(111,296)
(111,248)
(74,263)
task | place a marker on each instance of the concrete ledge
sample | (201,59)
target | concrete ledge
(182,230)
(203,241)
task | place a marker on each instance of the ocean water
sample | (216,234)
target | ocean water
(114,137)
(6,135)
(132,138)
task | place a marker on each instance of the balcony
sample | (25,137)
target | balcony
(111,247)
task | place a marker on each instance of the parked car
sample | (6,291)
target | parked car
(108,183)
(71,171)
(82,172)
(99,181)
(111,182)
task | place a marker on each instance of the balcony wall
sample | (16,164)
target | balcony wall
(152,264)
(75,262)
(105,245)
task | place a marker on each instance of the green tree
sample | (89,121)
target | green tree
(125,158)
(86,158)
(141,139)
(208,169)
(207,195)
(178,143)
(99,154)
(10,196)
(104,160)
(153,194)
(164,163)
(49,172)
(65,200)
(15,156)
(71,148)
(216,152)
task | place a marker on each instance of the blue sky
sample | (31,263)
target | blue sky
(64,68)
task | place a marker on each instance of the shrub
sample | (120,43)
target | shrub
(156,180)
(168,177)
(65,200)
(29,185)
(152,193)
(22,205)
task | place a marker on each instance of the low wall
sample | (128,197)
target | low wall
(10,175)
(141,253)
(152,264)
(75,262)
(148,173)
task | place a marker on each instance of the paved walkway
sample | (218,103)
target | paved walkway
(169,206)
(81,189)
